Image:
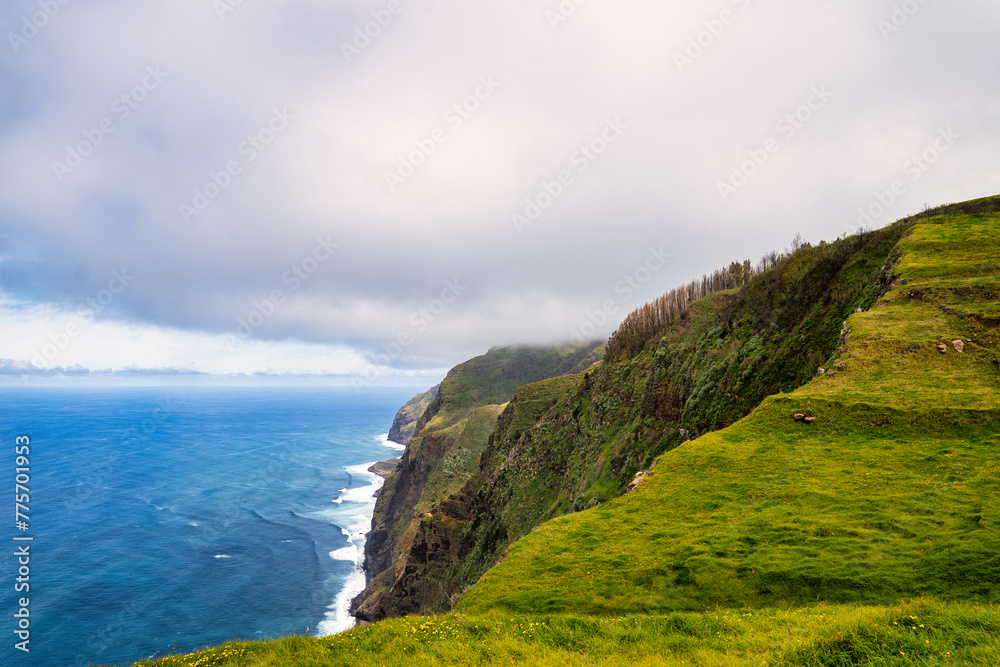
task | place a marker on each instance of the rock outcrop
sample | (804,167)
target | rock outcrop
(406,419)
(384,468)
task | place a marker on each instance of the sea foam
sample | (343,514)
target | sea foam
(384,440)
(355,522)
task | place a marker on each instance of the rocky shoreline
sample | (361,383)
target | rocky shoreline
(384,468)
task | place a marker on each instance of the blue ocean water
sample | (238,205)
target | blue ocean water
(176,518)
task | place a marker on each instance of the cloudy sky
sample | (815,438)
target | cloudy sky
(387,188)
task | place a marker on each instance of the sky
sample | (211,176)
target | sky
(373,192)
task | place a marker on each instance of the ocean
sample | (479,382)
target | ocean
(170,519)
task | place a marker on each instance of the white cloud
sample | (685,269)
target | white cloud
(50,337)
(324,174)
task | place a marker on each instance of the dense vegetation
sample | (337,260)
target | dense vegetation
(571,443)
(869,536)
(655,318)
(443,453)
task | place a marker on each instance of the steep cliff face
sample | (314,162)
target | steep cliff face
(570,443)
(889,493)
(444,452)
(853,520)
(405,422)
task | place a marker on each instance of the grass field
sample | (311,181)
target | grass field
(870,537)
(921,632)
(892,492)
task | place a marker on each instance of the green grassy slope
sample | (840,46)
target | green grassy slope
(765,513)
(492,378)
(868,537)
(565,445)
(893,491)
(443,453)
(920,633)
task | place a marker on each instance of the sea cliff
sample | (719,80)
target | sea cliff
(448,439)
(571,442)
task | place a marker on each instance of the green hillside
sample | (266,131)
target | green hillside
(892,492)
(868,536)
(573,442)
(443,452)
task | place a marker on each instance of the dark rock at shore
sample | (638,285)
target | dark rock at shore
(384,468)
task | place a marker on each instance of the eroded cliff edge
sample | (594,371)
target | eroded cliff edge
(444,450)
(405,422)
(691,362)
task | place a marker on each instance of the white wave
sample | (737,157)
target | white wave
(386,442)
(360,495)
(347,553)
(338,615)
(363,494)
(193,523)
(222,556)
(355,527)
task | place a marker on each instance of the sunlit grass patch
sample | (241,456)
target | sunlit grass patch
(922,632)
